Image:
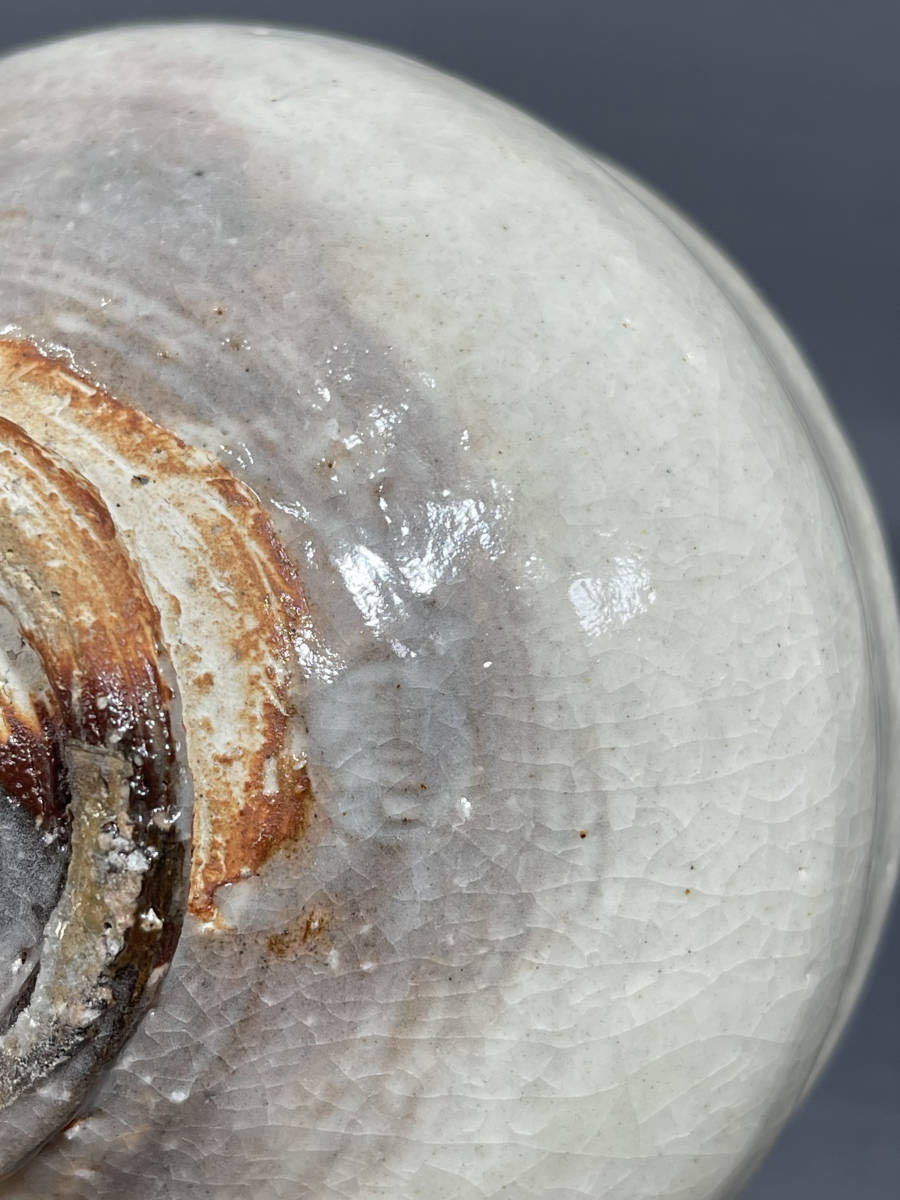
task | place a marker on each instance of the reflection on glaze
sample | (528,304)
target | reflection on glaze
(572,723)
(612,599)
(448,531)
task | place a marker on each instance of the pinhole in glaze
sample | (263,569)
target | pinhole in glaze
(448,657)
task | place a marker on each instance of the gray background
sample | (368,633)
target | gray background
(774,124)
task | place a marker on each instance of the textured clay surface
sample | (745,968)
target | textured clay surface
(593,700)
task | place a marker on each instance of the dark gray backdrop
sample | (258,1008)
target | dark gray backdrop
(774,123)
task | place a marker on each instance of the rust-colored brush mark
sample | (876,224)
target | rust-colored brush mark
(291,942)
(275,813)
(80,605)
(99,751)
(79,602)
(229,601)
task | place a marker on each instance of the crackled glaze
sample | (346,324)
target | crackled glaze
(598,682)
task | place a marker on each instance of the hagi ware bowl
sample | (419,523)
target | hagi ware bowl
(449,658)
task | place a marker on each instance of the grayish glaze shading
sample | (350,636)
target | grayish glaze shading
(574,526)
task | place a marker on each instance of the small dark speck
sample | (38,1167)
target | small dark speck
(582,833)
(687,891)
(424,787)
(199,173)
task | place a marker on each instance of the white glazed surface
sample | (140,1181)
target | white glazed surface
(575,524)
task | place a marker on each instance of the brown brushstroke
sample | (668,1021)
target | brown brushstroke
(238,823)
(99,750)
(309,929)
(81,606)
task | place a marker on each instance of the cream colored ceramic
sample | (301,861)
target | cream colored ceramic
(594,700)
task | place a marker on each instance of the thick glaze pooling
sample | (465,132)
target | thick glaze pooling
(598,700)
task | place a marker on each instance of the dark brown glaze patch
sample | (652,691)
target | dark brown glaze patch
(31,763)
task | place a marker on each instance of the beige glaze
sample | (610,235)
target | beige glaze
(594,673)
